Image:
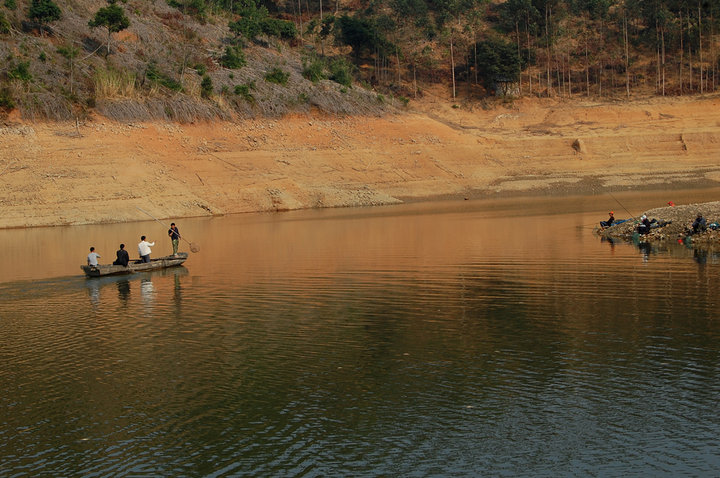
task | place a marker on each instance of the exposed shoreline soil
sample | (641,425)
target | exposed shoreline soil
(100,171)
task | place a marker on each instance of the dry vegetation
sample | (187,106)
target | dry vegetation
(179,48)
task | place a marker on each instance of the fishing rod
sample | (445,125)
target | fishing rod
(193,247)
(621,204)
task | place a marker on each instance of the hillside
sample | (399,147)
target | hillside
(155,69)
(192,60)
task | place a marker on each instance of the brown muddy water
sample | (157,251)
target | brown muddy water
(468,338)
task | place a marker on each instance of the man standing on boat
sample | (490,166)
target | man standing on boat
(93,257)
(174,234)
(144,249)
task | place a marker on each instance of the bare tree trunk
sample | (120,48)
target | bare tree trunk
(662,43)
(560,84)
(517,36)
(300,19)
(657,52)
(712,50)
(690,52)
(627,55)
(414,80)
(322,40)
(682,53)
(397,59)
(527,31)
(700,51)
(600,69)
(547,46)
(587,68)
(475,61)
(569,77)
(452,63)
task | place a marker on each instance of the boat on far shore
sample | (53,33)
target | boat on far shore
(135,266)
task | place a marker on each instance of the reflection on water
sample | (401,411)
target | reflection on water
(123,287)
(433,342)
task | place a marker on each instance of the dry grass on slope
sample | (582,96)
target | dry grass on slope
(180,49)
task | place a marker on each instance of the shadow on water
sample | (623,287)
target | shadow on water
(63,285)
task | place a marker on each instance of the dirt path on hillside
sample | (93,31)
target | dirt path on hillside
(100,171)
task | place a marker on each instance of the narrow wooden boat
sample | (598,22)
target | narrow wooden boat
(135,266)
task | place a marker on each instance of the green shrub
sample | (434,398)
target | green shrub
(244,91)
(42,57)
(21,72)
(201,69)
(6,101)
(11,4)
(44,11)
(4,24)
(233,58)
(154,75)
(279,28)
(341,72)
(206,87)
(277,76)
(314,69)
(255,19)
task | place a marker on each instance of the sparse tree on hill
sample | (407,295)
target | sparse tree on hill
(44,12)
(69,52)
(113,18)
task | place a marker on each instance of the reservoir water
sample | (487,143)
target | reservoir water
(466,338)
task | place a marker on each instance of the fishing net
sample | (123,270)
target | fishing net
(194,247)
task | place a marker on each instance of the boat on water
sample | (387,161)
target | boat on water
(135,266)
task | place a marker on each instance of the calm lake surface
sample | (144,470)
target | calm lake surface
(467,338)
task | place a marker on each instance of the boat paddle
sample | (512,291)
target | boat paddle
(193,247)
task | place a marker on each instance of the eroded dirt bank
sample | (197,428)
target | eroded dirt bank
(99,171)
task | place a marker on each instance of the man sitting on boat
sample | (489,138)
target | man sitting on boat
(122,257)
(93,257)
(144,249)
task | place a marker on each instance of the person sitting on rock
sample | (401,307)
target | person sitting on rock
(699,225)
(609,222)
(644,226)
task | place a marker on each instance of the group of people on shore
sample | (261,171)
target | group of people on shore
(699,225)
(144,251)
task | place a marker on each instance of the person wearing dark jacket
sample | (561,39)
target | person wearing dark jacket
(123,258)
(644,226)
(174,234)
(699,225)
(609,221)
